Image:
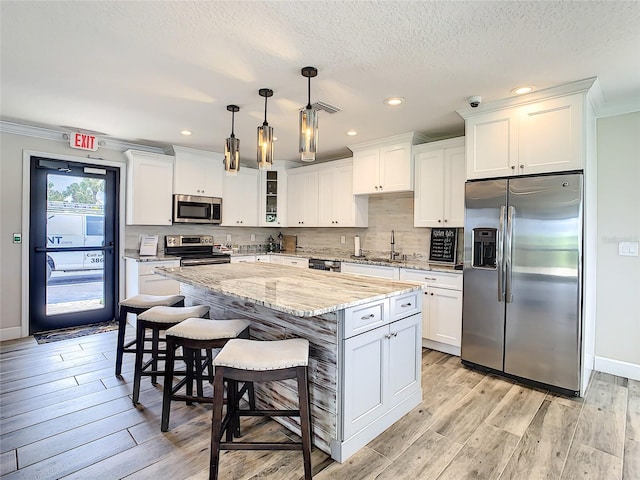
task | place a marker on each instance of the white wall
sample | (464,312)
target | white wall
(618,277)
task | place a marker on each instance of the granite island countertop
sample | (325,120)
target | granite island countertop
(292,290)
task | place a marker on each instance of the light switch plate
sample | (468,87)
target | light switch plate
(228,237)
(343,239)
(253,237)
(628,249)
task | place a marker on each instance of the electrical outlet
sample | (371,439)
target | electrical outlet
(343,239)
(228,237)
(253,237)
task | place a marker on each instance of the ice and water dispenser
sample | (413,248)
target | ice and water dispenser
(484,247)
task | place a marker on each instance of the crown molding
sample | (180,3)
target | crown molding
(58,135)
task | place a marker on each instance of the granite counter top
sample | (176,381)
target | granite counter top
(293,290)
(160,257)
(412,262)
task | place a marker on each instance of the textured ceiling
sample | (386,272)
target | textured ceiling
(142,71)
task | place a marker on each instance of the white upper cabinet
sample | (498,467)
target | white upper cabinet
(240,199)
(272,197)
(198,172)
(337,206)
(149,188)
(537,133)
(439,184)
(302,198)
(385,165)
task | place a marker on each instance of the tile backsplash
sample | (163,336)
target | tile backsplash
(386,212)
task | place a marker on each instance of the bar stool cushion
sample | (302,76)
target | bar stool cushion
(142,300)
(207,329)
(173,314)
(269,355)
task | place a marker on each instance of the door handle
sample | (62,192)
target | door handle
(508,263)
(499,256)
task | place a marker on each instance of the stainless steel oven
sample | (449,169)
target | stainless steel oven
(195,209)
(194,250)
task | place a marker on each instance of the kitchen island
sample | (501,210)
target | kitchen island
(364,336)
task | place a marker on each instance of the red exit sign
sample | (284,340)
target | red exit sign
(83,141)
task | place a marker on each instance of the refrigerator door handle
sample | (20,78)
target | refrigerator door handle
(508,263)
(500,256)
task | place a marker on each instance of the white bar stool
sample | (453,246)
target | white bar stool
(157,319)
(255,361)
(136,305)
(195,335)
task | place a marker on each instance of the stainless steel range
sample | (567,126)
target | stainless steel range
(194,250)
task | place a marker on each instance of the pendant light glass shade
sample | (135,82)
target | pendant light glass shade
(308,134)
(232,147)
(309,123)
(265,136)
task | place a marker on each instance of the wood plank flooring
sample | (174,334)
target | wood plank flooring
(63,414)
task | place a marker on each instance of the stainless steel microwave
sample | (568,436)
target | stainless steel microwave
(194,209)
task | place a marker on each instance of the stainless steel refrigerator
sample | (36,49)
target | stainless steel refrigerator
(522,295)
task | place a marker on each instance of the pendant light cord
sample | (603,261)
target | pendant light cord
(309,97)
(265,111)
(233,117)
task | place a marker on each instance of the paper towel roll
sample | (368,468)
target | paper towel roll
(356,242)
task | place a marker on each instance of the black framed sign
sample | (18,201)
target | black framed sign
(443,245)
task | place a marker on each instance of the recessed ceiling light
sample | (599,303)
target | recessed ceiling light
(393,101)
(186,133)
(522,90)
(352,133)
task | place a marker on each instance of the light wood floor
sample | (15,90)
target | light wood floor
(65,415)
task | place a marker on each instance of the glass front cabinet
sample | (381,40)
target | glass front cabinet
(272,198)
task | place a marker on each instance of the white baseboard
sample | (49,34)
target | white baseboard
(616,367)
(441,347)
(10,333)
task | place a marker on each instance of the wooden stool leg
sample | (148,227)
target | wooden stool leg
(122,326)
(199,368)
(155,352)
(137,375)
(168,383)
(210,365)
(305,420)
(189,359)
(216,424)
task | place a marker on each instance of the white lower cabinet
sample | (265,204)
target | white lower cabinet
(378,271)
(290,260)
(382,366)
(242,258)
(441,308)
(141,278)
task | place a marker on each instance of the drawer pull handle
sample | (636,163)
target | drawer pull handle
(430,278)
(367,317)
(405,305)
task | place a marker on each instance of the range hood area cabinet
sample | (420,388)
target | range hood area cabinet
(385,165)
(540,132)
(240,199)
(197,172)
(320,196)
(149,188)
(439,184)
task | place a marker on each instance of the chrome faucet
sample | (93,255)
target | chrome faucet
(394,254)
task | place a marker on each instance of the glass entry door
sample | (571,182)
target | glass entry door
(73,239)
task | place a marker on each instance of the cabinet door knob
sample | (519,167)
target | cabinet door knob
(380,187)
(376,187)
(513,167)
(439,221)
(522,166)
(432,294)
(445,220)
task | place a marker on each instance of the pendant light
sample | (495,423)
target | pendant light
(308,123)
(265,136)
(232,147)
